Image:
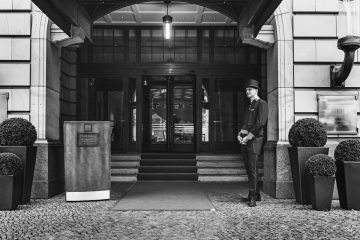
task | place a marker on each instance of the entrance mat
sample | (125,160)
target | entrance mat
(165,195)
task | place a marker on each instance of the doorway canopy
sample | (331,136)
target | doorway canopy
(250,15)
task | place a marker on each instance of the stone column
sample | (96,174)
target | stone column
(45,108)
(277,173)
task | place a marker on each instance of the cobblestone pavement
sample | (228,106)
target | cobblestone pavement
(271,219)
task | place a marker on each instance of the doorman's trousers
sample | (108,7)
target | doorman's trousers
(250,153)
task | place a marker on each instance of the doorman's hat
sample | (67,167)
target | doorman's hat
(252,83)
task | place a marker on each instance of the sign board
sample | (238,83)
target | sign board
(87,160)
(88,139)
(338,113)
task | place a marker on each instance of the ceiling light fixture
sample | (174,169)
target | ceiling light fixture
(167,22)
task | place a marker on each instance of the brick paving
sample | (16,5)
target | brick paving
(272,219)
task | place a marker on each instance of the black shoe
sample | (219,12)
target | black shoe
(252,203)
(247,199)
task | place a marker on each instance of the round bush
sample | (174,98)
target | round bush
(348,150)
(320,165)
(307,132)
(17,132)
(10,164)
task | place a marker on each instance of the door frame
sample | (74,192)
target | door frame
(169,146)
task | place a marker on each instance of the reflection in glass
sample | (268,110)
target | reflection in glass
(116,114)
(158,114)
(182,114)
(133,117)
(205,116)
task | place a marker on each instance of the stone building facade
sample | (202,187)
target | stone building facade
(38,81)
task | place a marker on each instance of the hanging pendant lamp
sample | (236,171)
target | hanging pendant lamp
(167,22)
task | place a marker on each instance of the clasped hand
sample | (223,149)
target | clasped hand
(243,140)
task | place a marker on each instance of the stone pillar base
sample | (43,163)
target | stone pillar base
(49,170)
(277,189)
(277,180)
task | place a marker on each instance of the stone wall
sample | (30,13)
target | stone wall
(15,31)
(312,46)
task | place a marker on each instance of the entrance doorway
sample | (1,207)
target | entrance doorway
(169,113)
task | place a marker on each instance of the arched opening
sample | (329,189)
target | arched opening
(129,53)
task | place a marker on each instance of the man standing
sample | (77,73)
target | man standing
(251,138)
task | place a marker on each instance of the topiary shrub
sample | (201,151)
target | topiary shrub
(348,150)
(320,165)
(17,132)
(10,164)
(307,132)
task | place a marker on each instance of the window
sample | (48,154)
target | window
(118,45)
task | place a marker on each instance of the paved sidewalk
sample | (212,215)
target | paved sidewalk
(272,219)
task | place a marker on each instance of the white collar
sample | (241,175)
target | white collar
(255,99)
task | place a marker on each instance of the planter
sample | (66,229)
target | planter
(28,154)
(10,191)
(322,189)
(298,157)
(348,182)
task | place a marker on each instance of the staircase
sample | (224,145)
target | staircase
(124,167)
(224,168)
(168,166)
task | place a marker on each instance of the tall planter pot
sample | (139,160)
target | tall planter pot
(322,188)
(348,182)
(28,155)
(11,189)
(298,157)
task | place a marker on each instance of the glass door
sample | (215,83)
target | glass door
(168,109)
(155,107)
(110,106)
(182,117)
(229,103)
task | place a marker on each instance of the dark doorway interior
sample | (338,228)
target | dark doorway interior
(169,113)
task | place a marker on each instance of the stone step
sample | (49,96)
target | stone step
(224,171)
(167,169)
(224,164)
(168,156)
(168,162)
(223,157)
(223,178)
(124,171)
(168,176)
(132,164)
(220,164)
(116,157)
(126,178)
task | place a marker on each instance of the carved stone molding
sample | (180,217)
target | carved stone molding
(265,38)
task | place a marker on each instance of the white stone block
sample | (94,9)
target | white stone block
(21,4)
(340,27)
(304,50)
(315,25)
(15,24)
(311,75)
(353,79)
(306,101)
(327,51)
(302,116)
(14,48)
(19,99)
(327,5)
(14,74)
(6,4)
(304,5)
(20,49)
(5,49)
(15,115)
